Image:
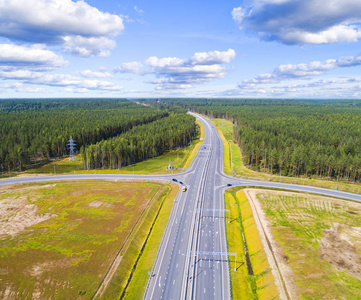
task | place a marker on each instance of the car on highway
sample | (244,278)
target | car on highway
(184,188)
(175,180)
(180,182)
(229,184)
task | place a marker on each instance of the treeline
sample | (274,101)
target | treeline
(35,130)
(140,143)
(294,138)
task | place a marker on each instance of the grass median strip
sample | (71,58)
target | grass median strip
(253,278)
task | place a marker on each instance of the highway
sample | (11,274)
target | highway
(191,262)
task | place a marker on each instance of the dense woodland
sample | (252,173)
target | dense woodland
(292,138)
(288,137)
(36,130)
(140,143)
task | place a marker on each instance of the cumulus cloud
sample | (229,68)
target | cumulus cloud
(177,73)
(69,82)
(166,62)
(130,67)
(20,88)
(34,56)
(81,28)
(92,74)
(213,57)
(66,80)
(301,21)
(299,71)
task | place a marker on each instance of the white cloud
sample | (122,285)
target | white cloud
(138,10)
(65,80)
(81,28)
(130,67)
(92,74)
(177,73)
(213,57)
(299,71)
(20,88)
(165,62)
(34,56)
(88,46)
(301,21)
(238,14)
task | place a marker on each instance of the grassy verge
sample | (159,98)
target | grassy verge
(140,276)
(233,165)
(320,241)
(66,255)
(134,258)
(242,234)
(197,143)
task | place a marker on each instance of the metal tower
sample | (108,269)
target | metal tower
(71,146)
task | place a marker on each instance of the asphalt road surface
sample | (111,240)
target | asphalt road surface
(192,260)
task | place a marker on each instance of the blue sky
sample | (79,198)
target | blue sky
(250,48)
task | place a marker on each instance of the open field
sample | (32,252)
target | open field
(316,242)
(253,278)
(59,239)
(233,165)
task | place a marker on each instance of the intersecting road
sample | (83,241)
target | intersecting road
(191,261)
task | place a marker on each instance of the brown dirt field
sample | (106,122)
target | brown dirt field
(341,249)
(16,213)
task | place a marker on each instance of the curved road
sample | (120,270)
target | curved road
(191,262)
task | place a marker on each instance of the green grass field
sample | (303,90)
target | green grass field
(67,255)
(320,240)
(261,285)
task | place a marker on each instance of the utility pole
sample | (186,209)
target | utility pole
(71,145)
(54,170)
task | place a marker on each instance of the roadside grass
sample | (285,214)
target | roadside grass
(233,165)
(66,257)
(197,143)
(261,285)
(61,166)
(145,264)
(180,159)
(241,287)
(319,240)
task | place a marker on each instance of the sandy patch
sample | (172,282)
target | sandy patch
(95,204)
(17,214)
(337,246)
